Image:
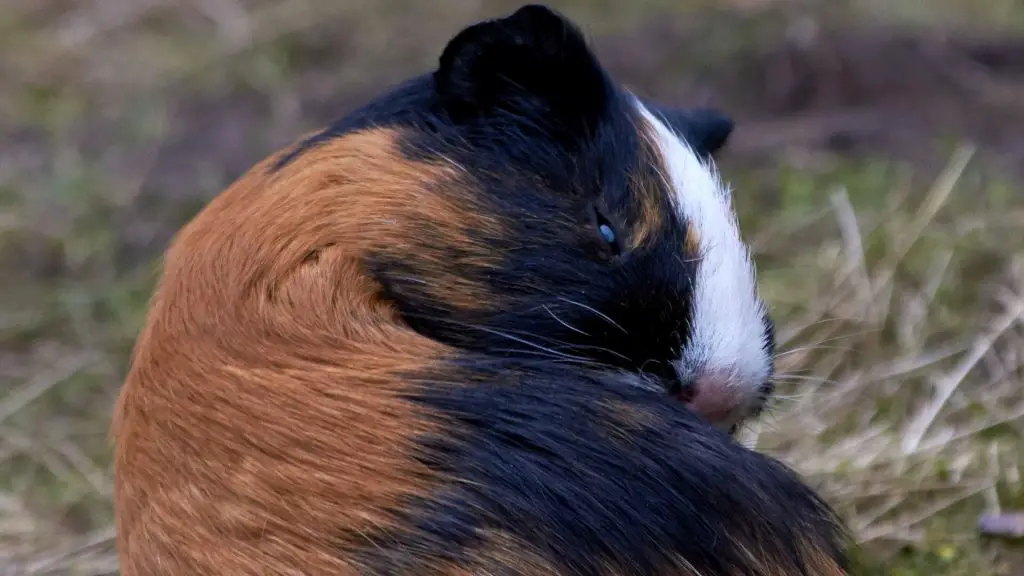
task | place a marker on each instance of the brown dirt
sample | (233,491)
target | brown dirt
(878,91)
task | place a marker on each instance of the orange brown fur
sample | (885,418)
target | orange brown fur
(651,198)
(624,415)
(692,245)
(263,354)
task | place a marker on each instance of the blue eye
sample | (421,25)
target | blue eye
(607,233)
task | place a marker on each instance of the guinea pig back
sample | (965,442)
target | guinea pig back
(499,320)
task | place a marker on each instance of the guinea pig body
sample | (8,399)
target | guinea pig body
(498,321)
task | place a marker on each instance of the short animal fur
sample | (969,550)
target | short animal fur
(497,321)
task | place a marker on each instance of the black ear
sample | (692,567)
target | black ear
(533,64)
(706,130)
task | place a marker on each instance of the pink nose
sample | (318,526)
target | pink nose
(716,397)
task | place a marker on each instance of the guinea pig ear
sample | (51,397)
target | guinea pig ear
(705,130)
(533,65)
(708,130)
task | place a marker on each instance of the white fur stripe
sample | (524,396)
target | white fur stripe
(727,332)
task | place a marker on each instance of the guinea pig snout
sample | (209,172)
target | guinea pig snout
(721,398)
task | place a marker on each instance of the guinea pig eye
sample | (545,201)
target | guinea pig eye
(607,232)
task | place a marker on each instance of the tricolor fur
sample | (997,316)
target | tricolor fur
(448,335)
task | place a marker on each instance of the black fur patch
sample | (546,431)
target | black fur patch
(540,455)
(548,143)
(547,140)
(706,130)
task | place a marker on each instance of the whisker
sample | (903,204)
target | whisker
(597,312)
(808,349)
(644,364)
(557,347)
(584,362)
(799,378)
(508,336)
(526,342)
(691,259)
(564,323)
(848,335)
(452,322)
(789,397)
(820,322)
(596,348)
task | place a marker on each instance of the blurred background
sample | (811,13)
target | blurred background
(877,166)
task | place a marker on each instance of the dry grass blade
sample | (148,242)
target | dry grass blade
(892,472)
(947,383)
(92,555)
(43,382)
(856,265)
(937,197)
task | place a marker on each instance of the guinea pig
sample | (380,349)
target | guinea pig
(499,320)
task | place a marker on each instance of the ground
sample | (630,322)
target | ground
(877,167)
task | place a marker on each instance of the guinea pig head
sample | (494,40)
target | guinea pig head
(567,219)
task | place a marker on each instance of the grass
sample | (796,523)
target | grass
(898,289)
(901,339)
